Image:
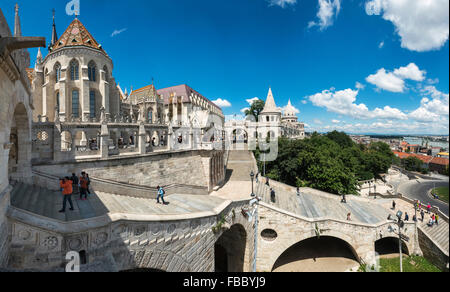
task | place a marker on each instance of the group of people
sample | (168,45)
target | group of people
(74,185)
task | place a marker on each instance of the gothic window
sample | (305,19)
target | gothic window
(106,72)
(75,103)
(57,100)
(74,70)
(150,116)
(57,72)
(92,71)
(92,103)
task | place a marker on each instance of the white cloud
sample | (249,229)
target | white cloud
(251,100)
(434,107)
(422,25)
(118,31)
(328,11)
(359,85)
(410,72)
(381,45)
(222,102)
(335,121)
(245,109)
(317,121)
(386,81)
(282,3)
(394,81)
(343,102)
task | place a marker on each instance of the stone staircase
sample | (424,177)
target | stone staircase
(438,233)
(314,204)
(240,162)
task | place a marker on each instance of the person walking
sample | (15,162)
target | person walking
(349,217)
(83,186)
(428,208)
(422,214)
(406,217)
(267,181)
(74,180)
(436,219)
(161,193)
(88,183)
(298,192)
(66,185)
(272,195)
(393,205)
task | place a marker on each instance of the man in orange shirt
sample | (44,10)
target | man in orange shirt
(66,185)
(83,186)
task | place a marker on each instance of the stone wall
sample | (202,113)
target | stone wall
(175,167)
(169,244)
(432,252)
(292,229)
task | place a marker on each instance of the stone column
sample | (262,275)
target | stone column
(84,98)
(191,138)
(104,92)
(141,139)
(57,141)
(104,141)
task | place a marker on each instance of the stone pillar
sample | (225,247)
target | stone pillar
(85,111)
(104,141)
(191,138)
(104,92)
(57,141)
(141,139)
(169,138)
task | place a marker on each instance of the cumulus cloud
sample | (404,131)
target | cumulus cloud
(394,81)
(222,102)
(343,102)
(251,100)
(282,3)
(434,106)
(335,121)
(422,25)
(328,11)
(359,85)
(118,31)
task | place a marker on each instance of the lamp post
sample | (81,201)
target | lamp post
(400,223)
(252,176)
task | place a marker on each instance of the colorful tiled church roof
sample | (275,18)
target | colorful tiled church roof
(77,35)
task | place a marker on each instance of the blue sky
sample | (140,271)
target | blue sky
(367,66)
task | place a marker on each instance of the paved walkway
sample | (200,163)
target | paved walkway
(238,183)
(47,203)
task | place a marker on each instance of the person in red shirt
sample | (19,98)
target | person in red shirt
(66,185)
(83,186)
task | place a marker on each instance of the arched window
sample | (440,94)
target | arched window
(106,72)
(75,103)
(92,71)
(150,116)
(92,103)
(74,70)
(57,72)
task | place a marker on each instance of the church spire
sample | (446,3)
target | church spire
(17,28)
(54,34)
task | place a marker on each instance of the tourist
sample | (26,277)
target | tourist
(436,219)
(66,185)
(393,205)
(298,192)
(428,208)
(415,218)
(83,186)
(74,180)
(349,217)
(344,199)
(161,193)
(422,214)
(267,182)
(88,183)
(272,195)
(406,217)
(430,222)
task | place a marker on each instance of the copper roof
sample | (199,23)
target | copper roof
(77,35)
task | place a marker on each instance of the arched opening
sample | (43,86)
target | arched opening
(230,250)
(324,254)
(20,145)
(388,247)
(240,136)
(66,141)
(92,71)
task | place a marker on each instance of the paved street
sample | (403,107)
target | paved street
(418,190)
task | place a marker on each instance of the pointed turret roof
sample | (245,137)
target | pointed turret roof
(289,110)
(17,27)
(77,35)
(270,106)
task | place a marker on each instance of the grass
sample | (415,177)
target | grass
(410,264)
(442,192)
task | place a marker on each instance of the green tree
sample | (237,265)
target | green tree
(255,109)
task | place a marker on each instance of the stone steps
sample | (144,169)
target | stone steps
(438,233)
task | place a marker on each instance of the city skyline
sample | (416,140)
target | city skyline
(344,65)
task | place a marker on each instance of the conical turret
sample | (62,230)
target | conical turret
(17,27)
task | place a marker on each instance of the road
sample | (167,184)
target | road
(418,190)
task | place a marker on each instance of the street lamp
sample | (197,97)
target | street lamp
(400,225)
(252,176)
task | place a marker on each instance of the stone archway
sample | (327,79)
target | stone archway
(231,251)
(19,162)
(324,254)
(388,247)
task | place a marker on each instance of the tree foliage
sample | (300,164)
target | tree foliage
(255,109)
(332,163)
